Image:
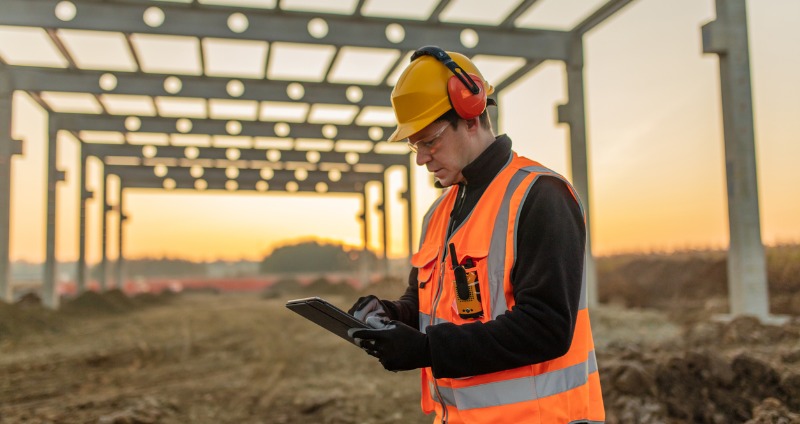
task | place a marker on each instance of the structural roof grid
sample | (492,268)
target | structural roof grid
(285,94)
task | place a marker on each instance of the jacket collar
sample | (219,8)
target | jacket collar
(485,167)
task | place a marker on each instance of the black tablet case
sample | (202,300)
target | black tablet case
(326,315)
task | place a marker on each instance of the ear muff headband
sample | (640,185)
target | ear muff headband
(446,60)
(468,105)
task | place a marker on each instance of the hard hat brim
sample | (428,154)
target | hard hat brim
(409,128)
(403,131)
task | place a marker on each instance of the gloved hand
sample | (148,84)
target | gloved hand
(367,306)
(396,345)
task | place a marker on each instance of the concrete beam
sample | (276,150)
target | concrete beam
(205,21)
(104,151)
(337,188)
(518,11)
(17,147)
(600,15)
(715,37)
(136,83)
(89,122)
(519,73)
(747,269)
(247,178)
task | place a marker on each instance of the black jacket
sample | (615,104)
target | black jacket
(546,279)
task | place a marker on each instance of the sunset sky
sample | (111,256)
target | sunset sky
(654,129)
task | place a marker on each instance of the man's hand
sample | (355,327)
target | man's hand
(367,306)
(397,346)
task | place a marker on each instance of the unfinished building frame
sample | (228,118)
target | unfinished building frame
(267,169)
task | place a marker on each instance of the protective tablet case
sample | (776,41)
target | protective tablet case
(326,315)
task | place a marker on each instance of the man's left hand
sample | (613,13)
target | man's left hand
(397,346)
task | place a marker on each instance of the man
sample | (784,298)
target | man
(495,311)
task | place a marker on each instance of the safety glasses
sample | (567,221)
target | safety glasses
(427,143)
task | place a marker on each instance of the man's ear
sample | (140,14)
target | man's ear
(472,124)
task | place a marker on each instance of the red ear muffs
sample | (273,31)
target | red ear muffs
(466,104)
(465,91)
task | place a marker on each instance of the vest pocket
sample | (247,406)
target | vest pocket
(425,262)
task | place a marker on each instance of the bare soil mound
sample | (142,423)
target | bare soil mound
(663,354)
(704,372)
(318,287)
(667,355)
(20,319)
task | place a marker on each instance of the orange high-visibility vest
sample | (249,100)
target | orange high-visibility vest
(562,390)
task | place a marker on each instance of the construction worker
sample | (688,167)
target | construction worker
(495,311)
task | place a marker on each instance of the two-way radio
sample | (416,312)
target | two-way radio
(468,292)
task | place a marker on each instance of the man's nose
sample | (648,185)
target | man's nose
(423,157)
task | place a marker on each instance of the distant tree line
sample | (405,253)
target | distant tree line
(315,257)
(150,267)
(311,256)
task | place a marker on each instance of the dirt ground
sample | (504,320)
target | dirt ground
(209,357)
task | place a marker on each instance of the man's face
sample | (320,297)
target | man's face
(443,150)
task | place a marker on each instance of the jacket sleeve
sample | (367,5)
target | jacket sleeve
(406,309)
(546,279)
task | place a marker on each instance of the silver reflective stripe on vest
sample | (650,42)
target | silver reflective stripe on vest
(425,321)
(426,220)
(544,171)
(497,245)
(496,261)
(521,389)
(447,394)
(592,362)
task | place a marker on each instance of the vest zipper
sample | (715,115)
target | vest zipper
(462,191)
(442,267)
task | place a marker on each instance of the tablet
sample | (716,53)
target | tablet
(326,316)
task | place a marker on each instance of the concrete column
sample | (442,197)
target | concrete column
(49,288)
(747,270)
(120,255)
(104,209)
(573,114)
(363,218)
(363,267)
(383,208)
(408,195)
(494,118)
(6,151)
(85,195)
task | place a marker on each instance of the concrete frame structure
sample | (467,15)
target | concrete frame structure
(725,37)
(747,268)
(8,149)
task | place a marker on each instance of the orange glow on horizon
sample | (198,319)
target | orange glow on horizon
(654,135)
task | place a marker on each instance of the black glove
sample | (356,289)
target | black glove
(397,346)
(367,306)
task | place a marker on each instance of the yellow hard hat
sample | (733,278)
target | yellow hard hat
(424,90)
